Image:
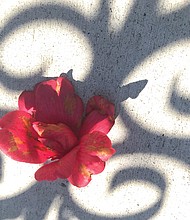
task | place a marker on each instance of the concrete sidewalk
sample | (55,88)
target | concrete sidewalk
(135,53)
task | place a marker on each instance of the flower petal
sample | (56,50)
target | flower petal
(97,144)
(99,116)
(95,121)
(55,102)
(80,176)
(95,149)
(19,141)
(102,105)
(58,169)
(56,136)
(26,102)
(85,166)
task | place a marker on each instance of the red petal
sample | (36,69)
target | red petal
(26,102)
(19,141)
(56,102)
(85,166)
(95,121)
(58,169)
(97,144)
(95,148)
(102,105)
(54,146)
(58,137)
(99,116)
(81,176)
(94,164)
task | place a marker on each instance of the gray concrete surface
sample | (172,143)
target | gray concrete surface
(136,53)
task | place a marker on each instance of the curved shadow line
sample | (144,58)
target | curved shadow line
(179,103)
(141,174)
(34,13)
(152,36)
(43,12)
(136,173)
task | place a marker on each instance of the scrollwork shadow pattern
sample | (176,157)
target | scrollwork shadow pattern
(111,65)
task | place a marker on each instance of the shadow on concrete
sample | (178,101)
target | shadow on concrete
(115,56)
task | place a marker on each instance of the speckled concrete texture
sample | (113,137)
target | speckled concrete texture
(137,54)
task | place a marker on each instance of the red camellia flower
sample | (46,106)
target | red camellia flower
(50,125)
